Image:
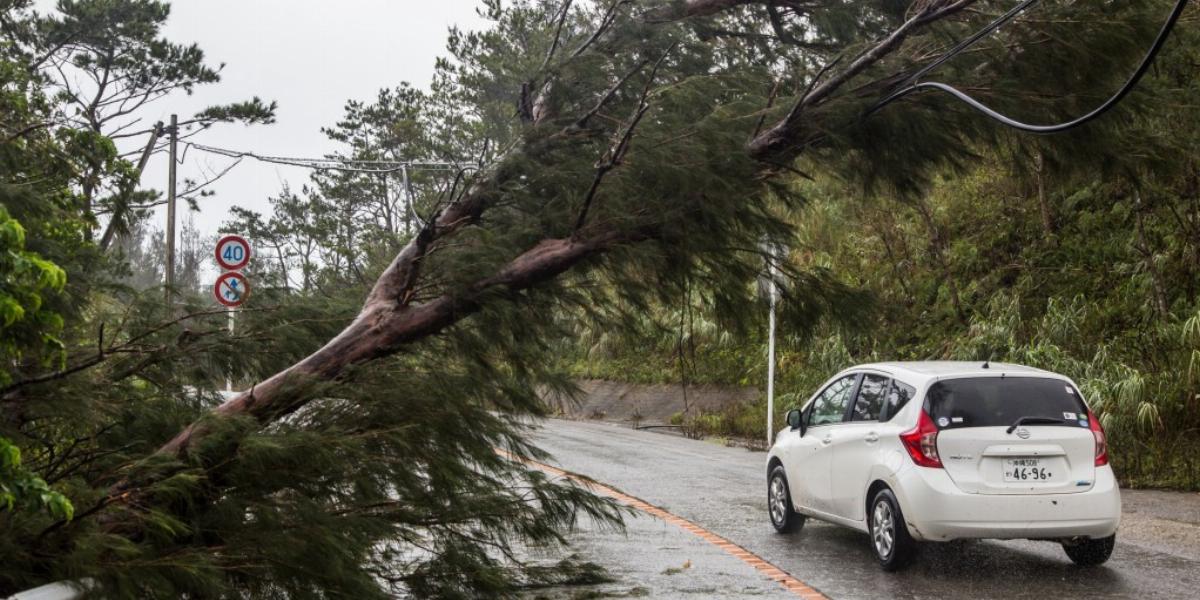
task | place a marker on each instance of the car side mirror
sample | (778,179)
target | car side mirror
(795,420)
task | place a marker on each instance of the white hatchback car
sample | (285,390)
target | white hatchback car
(936,451)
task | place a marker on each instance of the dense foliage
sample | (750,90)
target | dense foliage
(615,169)
(1076,254)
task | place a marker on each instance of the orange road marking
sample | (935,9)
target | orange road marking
(789,583)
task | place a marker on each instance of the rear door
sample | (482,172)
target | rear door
(811,462)
(986,450)
(855,445)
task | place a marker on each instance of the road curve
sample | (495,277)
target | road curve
(723,490)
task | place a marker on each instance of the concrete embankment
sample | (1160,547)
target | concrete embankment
(641,404)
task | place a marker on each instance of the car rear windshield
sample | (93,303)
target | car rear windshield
(1000,401)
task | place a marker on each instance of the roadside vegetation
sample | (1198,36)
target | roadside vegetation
(1063,256)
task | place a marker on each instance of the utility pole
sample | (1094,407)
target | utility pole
(772,293)
(170,283)
(408,203)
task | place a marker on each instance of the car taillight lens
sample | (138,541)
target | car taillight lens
(1101,439)
(921,443)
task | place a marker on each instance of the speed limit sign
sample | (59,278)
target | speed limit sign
(233,252)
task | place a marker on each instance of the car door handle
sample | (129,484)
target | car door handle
(872,438)
(827,440)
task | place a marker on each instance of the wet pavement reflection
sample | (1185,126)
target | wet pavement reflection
(724,490)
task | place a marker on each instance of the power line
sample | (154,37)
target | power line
(913,86)
(333,164)
(969,41)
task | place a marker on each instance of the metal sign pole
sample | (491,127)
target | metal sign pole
(229,374)
(231,288)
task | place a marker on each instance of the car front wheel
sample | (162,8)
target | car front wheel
(784,517)
(894,547)
(1090,553)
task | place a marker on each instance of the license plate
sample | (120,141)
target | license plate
(1025,469)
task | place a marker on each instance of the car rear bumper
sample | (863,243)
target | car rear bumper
(936,510)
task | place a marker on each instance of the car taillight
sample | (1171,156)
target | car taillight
(921,443)
(1101,439)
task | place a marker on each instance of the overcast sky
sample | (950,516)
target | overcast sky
(309,55)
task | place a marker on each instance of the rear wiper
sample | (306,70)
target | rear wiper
(1024,420)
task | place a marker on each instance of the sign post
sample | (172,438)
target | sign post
(232,288)
(768,286)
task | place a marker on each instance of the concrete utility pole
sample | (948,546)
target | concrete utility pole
(771,291)
(170,283)
(408,203)
(772,252)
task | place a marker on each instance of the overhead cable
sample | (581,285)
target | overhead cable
(333,164)
(912,85)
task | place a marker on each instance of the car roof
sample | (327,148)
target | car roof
(932,370)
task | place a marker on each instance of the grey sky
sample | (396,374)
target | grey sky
(309,55)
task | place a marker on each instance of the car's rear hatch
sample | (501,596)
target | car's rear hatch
(1050,450)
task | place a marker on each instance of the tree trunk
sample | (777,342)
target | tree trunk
(891,255)
(386,323)
(1142,244)
(1043,203)
(937,247)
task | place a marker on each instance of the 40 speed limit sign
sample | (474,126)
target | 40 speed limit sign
(233,252)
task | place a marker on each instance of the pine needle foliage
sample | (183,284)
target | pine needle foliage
(1074,253)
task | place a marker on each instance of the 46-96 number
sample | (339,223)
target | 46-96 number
(1029,474)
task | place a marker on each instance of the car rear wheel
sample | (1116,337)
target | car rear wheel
(1092,552)
(784,517)
(893,546)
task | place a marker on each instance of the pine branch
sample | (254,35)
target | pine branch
(621,146)
(581,122)
(562,19)
(779,142)
(610,15)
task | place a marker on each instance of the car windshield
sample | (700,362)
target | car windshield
(1000,401)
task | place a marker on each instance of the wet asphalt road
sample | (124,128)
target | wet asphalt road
(724,490)
(651,558)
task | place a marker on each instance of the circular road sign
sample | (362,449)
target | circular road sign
(233,252)
(231,289)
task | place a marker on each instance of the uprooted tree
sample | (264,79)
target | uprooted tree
(619,153)
(655,135)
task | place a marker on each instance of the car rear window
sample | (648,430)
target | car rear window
(1000,401)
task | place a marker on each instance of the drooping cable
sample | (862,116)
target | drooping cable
(913,86)
(333,164)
